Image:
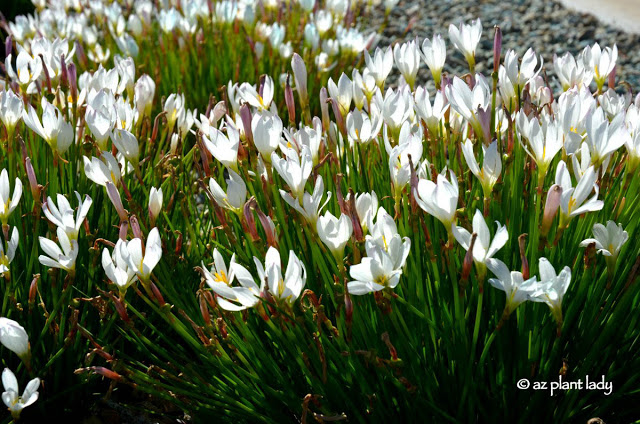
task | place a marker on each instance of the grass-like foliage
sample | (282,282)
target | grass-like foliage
(316,244)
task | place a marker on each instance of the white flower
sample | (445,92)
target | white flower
(220,278)
(512,283)
(8,203)
(249,94)
(144,90)
(311,204)
(491,165)
(294,169)
(335,233)
(384,235)
(407,61)
(608,240)
(434,53)
(267,132)
(236,193)
(57,132)
(62,215)
(366,208)
(373,274)
(223,147)
(103,169)
(571,72)
(143,262)
(409,145)
(601,62)
(14,402)
(380,65)
(127,145)
(431,114)
(341,93)
(543,141)
(117,267)
(101,116)
(397,107)
(155,202)
(12,246)
(28,68)
(64,258)
(466,38)
(440,199)
(604,137)
(572,200)
(11,108)
(14,337)
(470,103)
(483,248)
(552,288)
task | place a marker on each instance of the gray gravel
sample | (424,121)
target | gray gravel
(545,25)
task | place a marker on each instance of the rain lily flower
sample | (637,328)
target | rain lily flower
(571,72)
(267,132)
(342,93)
(62,215)
(484,248)
(431,114)
(439,199)
(220,278)
(517,289)
(380,65)
(143,262)
(7,202)
(286,289)
(363,128)
(116,266)
(335,233)
(223,147)
(552,288)
(11,108)
(471,104)
(127,145)
(102,170)
(144,90)
(311,204)
(544,141)
(397,107)
(14,337)
(573,201)
(408,152)
(608,241)
(601,62)
(155,202)
(101,116)
(407,61)
(373,274)
(465,38)
(6,258)
(491,165)
(604,137)
(14,402)
(384,235)
(294,169)
(28,68)
(236,193)
(57,132)
(249,94)
(434,54)
(366,208)
(63,256)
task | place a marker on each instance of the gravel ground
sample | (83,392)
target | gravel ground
(545,25)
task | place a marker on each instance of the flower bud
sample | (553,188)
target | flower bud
(300,77)
(497,48)
(155,203)
(14,337)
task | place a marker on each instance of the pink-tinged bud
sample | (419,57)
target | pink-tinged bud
(251,222)
(245,116)
(47,78)
(178,249)
(523,256)
(72,76)
(611,82)
(124,229)
(135,227)
(204,310)
(33,289)
(204,155)
(300,78)
(497,48)
(33,183)
(338,116)
(290,102)
(219,110)
(269,228)
(414,187)
(550,208)
(263,78)
(80,54)
(114,196)
(324,107)
(468,262)
(108,373)
(64,73)
(122,311)
(343,205)
(484,116)
(158,295)
(8,46)
(355,220)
